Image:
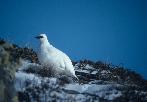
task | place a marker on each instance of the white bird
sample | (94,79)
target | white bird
(52,56)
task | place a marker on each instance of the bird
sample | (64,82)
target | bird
(51,56)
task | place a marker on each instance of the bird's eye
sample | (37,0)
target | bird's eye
(39,37)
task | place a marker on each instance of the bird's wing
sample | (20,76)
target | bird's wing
(63,61)
(68,63)
(57,55)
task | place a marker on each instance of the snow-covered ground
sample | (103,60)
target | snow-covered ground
(36,87)
(108,92)
(54,88)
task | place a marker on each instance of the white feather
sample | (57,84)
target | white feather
(52,56)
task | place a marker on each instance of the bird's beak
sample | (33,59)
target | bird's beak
(38,37)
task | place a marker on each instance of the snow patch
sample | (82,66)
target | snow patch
(26,65)
(89,67)
(94,72)
(83,71)
(106,91)
(23,79)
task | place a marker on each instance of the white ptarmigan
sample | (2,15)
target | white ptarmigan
(52,56)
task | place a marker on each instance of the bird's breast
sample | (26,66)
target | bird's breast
(49,57)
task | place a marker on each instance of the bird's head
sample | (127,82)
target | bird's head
(42,37)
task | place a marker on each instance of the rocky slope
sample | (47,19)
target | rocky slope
(98,81)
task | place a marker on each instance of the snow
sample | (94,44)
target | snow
(84,71)
(107,91)
(88,67)
(26,65)
(94,72)
(73,91)
(48,89)
(22,79)
(105,72)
